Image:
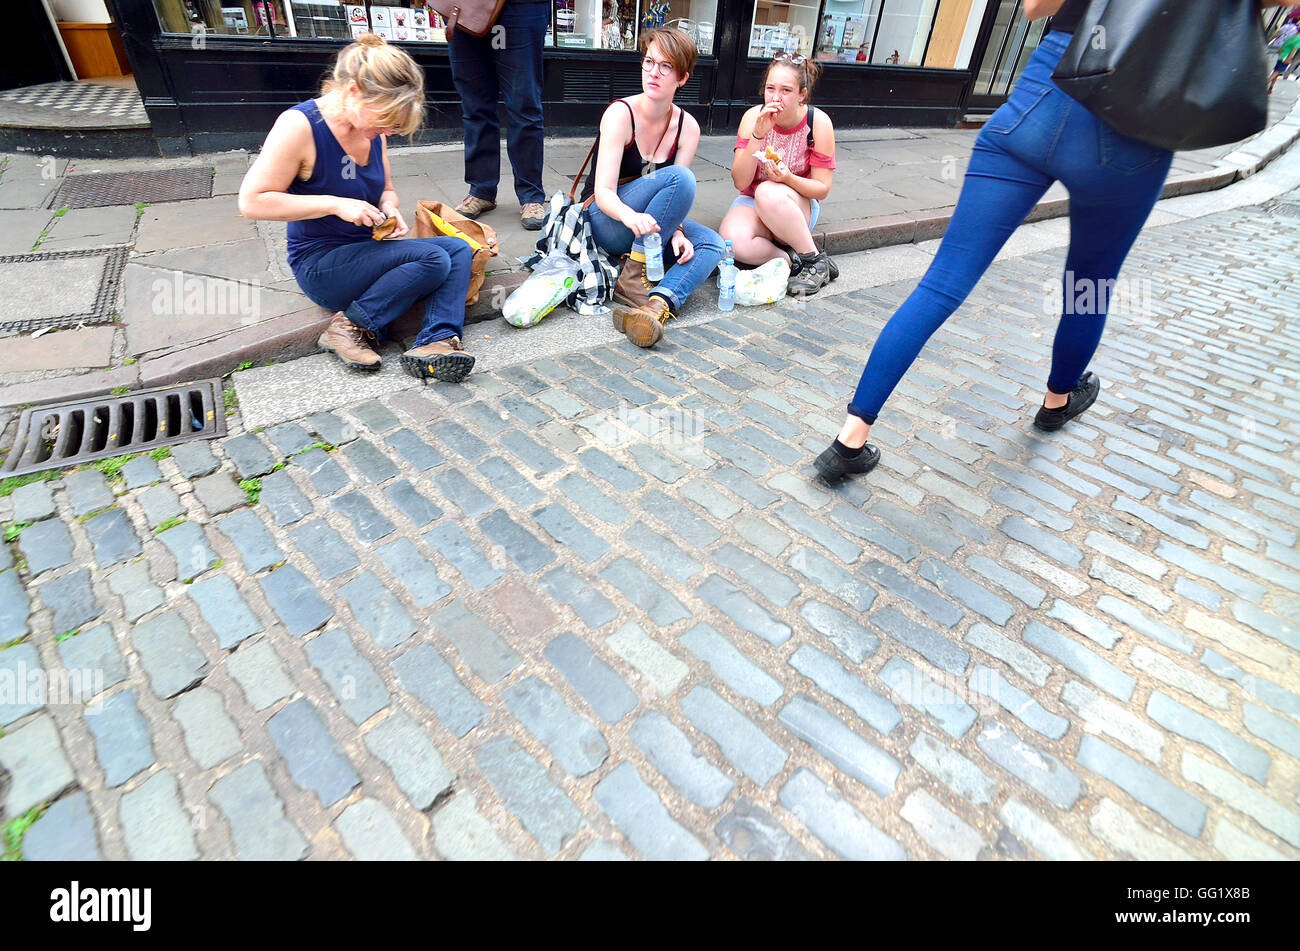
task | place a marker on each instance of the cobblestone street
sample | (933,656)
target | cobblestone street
(597,606)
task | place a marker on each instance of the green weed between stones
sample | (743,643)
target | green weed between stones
(61,212)
(14,643)
(67,634)
(15,829)
(168,523)
(328,447)
(246,365)
(14,529)
(253,489)
(17,482)
(128,362)
(120,390)
(161,453)
(230,399)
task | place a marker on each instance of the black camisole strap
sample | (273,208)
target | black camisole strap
(681,120)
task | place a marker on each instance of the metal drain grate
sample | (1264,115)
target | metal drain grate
(64,434)
(1286,209)
(127,188)
(105,298)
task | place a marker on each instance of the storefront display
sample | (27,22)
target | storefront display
(782,28)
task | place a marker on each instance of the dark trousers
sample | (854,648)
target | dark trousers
(374,282)
(514,72)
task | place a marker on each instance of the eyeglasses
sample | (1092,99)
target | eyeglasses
(649,65)
(794,59)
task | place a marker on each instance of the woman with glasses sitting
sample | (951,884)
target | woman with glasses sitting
(785,157)
(643,185)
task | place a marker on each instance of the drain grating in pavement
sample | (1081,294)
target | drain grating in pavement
(64,434)
(36,269)
(127,188)
(1286,209)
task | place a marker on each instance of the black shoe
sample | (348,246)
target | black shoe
(1081,397)
(832,466)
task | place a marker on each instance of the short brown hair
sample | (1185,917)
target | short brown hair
(677,47)
(390,81)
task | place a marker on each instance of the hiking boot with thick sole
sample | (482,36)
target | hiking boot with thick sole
(472,207)
(350,343)
(1080,398)
(644,326)
(812,277)
(443,360)
(532,216)
(632,287)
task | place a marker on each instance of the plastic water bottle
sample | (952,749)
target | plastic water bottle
(727,280)
(654,256)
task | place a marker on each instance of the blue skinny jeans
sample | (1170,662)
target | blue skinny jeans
(1040,135)
(375,282)
(666,194)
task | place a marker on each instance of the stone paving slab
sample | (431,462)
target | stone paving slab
(596,605)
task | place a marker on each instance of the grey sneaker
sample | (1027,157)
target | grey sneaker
(812,277)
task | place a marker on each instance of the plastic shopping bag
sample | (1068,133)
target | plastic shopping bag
(553,279)
(763,285)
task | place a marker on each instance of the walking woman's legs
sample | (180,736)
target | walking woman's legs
(999,190)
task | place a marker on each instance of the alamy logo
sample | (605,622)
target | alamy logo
(102,905)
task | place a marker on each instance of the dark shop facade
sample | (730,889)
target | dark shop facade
(215,73)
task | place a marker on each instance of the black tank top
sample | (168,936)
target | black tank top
(633,164)
(1067,18)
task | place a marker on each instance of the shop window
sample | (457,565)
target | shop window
(223,17)
(404,21)
(782,27)
(617,24)
(847,29)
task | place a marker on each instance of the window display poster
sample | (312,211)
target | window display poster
(359,30)
(854,32)
(356,14)
(379,15)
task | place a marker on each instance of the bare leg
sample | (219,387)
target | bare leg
(750,240)
(786,214)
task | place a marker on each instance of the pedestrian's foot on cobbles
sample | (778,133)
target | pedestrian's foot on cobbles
(1081,397)
(838,461)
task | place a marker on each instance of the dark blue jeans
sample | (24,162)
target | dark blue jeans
(375,282)
(513,72)
(667,195)
(1040,135)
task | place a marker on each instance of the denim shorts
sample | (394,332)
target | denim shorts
(747,201)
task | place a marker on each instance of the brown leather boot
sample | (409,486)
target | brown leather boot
(444,360)
(633,287)
(644,326)
(350,343)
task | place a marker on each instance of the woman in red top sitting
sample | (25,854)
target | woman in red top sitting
(777,208)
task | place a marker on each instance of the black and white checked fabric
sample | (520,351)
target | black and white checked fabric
(114,102)
(567,230)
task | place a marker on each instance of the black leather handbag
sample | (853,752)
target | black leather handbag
(1180,74)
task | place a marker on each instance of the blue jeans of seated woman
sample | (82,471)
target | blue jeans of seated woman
(375,282)
(667,194)
(1040,135)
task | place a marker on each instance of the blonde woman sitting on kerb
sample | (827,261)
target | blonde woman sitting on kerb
(324,169)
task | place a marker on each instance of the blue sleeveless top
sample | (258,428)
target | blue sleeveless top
(334,173)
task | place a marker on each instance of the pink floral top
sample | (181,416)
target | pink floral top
(795,148)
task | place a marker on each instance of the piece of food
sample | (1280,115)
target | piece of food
(771,154)
(384,229)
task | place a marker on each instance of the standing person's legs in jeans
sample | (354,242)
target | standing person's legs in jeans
(519,71)
(482,73)
(667,194)
(1040,135)
(374,282)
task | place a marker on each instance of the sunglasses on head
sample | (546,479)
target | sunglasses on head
(794,59)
